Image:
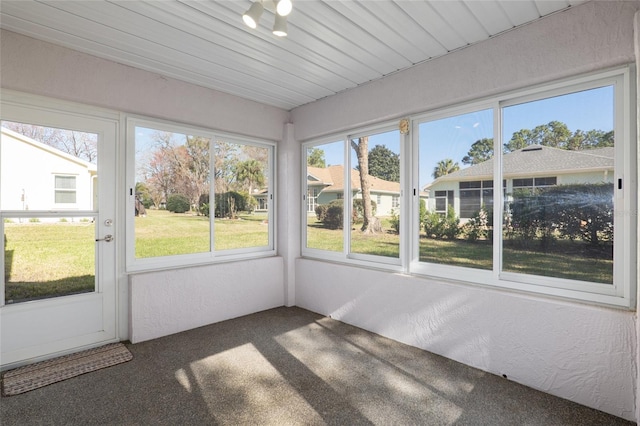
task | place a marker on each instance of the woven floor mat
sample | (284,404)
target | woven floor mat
(34,376)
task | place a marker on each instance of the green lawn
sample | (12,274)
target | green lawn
(51,259)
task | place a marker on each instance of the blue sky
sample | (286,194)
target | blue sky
(452,137)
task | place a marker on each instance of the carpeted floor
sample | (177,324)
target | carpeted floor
(289,366)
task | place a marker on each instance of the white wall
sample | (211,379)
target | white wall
(173,300)
(584,353)
(167,302)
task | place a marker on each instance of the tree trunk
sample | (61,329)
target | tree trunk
(362,152)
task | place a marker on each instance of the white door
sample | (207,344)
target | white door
(57,211)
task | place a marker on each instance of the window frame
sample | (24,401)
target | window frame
(134,264)
(346,256)
(57,190)
(620,294)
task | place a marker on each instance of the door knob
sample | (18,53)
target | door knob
(108,238)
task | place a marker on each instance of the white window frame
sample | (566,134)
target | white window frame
(621,294)
(57,190)
(134,264)
(346,256)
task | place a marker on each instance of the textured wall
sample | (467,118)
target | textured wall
(579,352)
(583,353)
(167,302)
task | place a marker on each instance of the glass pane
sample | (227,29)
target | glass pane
(241,196)
(561,223)
(46,257)
(375,174)
(456,199)
(325,195)
(172,194)
(45,166)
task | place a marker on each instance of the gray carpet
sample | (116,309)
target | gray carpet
(288,366)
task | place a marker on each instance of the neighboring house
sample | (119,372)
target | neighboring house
(327,184)
(532,167)
(54,179)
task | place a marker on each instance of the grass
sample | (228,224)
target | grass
(48,259)
(45,259)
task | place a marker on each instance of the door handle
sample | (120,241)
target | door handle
(108,238)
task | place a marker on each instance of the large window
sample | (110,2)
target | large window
(560,226)
(455,169)
(324,213)
(195,195)
(531,191)
(359,204)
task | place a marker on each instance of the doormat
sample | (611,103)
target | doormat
(34,376)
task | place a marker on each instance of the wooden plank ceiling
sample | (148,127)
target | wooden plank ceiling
(331,45)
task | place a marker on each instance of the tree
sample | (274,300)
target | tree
(444,167)
(250,173)
(315,158)
(361,147)
(79,144)
(480,151)
(555,134)
(384,163)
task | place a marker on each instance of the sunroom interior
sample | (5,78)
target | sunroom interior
(571,338)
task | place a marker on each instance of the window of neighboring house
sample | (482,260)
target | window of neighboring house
(444,199)
(395,201)
(475,195)
(65,189)
(379,199)
(324,215)
(312,199)
(194,195)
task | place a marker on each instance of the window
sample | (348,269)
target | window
(324,217)
(65,189)
(475,196)
(562,223)
(343,207)
(196,195)
(444,199)
(559,218)
(455,168)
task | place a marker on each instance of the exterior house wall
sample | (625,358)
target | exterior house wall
(587,177)
(584,353)
(32,183)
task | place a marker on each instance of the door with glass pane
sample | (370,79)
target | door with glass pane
(57,205)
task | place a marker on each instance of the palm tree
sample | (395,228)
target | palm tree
(444,167)
(250,173)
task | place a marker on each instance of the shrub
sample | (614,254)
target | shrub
(204,209)
(358,209)
(442,226)
(321,212)
(178,203)
(479,226)
(334,218)
(395,221)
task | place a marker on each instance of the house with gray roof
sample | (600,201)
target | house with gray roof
(535,166)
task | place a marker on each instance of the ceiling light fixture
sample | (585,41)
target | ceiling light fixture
(280,26)
(281,8)
(252,16)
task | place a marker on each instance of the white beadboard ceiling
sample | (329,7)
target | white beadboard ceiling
(332,45)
